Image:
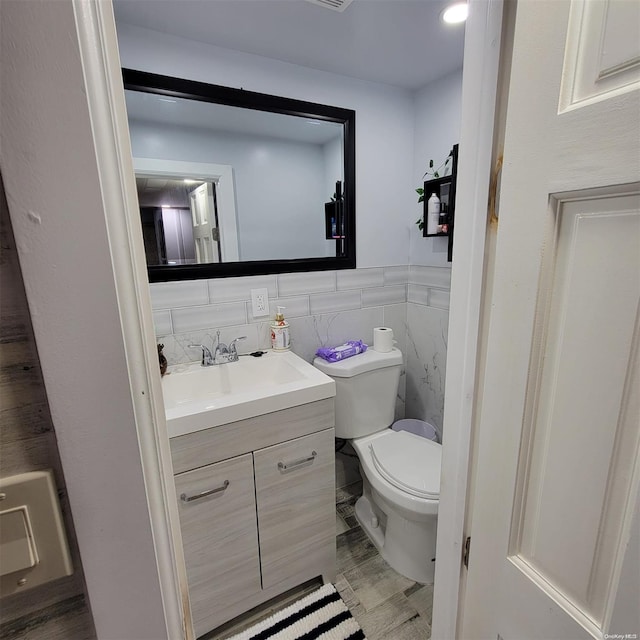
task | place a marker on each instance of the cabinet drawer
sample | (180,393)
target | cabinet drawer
(219,537)
(228,440)
(295,492)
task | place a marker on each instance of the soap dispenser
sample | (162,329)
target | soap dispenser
(280,332)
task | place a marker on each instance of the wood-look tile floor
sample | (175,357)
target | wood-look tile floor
(262,612)
(386,605)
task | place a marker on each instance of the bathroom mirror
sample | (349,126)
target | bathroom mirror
(233,182)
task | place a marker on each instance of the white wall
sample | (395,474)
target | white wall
(94,414)
(384,125)
(279,184)
(56,201)
(437,129)
(397,132)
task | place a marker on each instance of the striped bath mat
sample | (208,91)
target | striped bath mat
(321,615)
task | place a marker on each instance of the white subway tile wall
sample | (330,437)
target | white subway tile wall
(382,296)
(324,308)
(396,275)
(162,322)
(438,277)
(292,284)
(169,295)
(331,306)
(335,301)
(439,298)
(207,317)
(236,289)
(360,278)
(417,294)
(294,307)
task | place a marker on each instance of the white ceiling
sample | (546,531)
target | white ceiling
(154,191)
(398,42)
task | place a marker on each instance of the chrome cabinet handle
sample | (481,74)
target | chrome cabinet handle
(291,465)
(185,498)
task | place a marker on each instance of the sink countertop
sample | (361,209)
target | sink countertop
(197,397)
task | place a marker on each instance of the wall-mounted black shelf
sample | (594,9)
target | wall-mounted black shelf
(445,189)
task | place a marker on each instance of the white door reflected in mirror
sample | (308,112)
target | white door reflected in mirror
(205,223)
(169,186)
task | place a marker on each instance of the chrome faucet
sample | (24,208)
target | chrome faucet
(233,352)
(207,358)
(223,353)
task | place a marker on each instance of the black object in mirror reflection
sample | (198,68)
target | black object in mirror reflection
(233,182)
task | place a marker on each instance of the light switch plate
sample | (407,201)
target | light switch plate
(42,532)
(17,548)
(259,302)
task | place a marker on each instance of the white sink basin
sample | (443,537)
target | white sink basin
(197,397)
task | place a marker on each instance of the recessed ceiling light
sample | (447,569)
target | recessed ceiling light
(456,13)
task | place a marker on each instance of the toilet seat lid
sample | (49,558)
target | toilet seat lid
(409,462)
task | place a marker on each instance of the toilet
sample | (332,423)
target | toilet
(398,508)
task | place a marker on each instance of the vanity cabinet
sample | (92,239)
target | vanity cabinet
(296,507)
(256,501)
(219,535)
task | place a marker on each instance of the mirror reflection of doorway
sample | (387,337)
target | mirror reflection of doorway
(179,220)
(205,227)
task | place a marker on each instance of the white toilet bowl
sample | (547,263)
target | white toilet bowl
(401,471)
(399,505)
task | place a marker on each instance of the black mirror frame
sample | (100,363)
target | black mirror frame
(192,90)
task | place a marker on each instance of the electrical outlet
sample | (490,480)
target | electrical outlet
(259,302)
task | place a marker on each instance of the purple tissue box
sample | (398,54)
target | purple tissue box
(346,350)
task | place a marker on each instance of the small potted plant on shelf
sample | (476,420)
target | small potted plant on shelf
(433,173)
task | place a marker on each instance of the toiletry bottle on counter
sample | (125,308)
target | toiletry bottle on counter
(433,214)
(280,332)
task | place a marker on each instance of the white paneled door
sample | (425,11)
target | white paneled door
(555,536)
(204,220)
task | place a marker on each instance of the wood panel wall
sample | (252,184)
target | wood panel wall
(28,443)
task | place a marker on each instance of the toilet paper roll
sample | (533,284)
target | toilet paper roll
(382,339)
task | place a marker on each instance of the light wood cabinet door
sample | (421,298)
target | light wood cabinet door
(220,539)
(295,493)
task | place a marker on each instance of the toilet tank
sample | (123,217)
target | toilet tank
(366,390)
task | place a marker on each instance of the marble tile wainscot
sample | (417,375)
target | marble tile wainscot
(324,308)
(426,352)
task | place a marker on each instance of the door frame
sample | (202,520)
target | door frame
(222,176)
(479,97)
(98,45)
